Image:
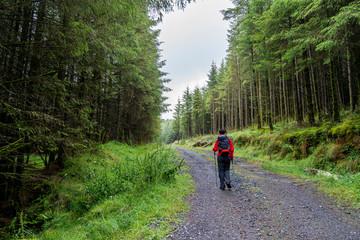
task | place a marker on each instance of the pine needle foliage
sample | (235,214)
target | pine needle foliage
(74,73)
(287,60)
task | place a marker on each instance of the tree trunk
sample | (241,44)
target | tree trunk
(309,104)
(259,104)
(222,116)
(314,89)
(233,109)
(241,118)
(348,62)
(298,107)
(203,119)
(35,59)
(245,107)
(274,102)
(252,85)
(268,100)
(214,114)
(251,104)
(228,118)
(334,94)
(25,37)
(285,97)
(281,99)
(338,70)
(9,63)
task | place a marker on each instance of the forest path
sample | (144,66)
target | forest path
(262,205)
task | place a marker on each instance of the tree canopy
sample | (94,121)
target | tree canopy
(287,60)
(74,73)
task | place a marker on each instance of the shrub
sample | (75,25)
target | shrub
(131,172)
(286,149)
(275,146)
(326,156)
(349,165)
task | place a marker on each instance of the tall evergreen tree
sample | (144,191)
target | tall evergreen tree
(187,107)
(74,73)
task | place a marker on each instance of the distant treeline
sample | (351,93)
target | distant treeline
(287,60)
(75,72)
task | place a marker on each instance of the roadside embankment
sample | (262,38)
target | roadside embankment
(328,154)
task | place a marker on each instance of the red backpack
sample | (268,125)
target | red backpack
(224,145)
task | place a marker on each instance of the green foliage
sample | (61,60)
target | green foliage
(145,214)
(213,76)
(128,171)
(345,189)
(186,112)
(76,61)
(349,126)
(330,146)
(275,70)
(75,73)
(297,151)
(168,134)
(117,191)
(190,117)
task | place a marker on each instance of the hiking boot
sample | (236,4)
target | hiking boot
(228,185)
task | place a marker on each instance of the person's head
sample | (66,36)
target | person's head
(222,131)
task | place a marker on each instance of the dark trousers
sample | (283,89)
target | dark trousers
(224,170)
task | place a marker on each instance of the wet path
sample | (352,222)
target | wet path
(262,205)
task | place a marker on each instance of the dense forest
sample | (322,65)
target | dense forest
(74,73)
(287,60)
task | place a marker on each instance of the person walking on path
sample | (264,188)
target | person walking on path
(225,148)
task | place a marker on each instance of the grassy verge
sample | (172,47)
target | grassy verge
(328,154)
(119,192)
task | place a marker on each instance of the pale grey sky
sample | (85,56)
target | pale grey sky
(192,40)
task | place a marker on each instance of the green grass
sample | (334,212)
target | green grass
(148,213)
(344,189)
(293,150)
(118,192)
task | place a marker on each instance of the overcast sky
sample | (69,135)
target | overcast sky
(192,40)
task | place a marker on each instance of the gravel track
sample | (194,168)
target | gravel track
(262,205)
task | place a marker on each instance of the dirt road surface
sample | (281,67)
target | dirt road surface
(262,205)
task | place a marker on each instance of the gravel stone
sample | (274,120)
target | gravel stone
(261,205)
